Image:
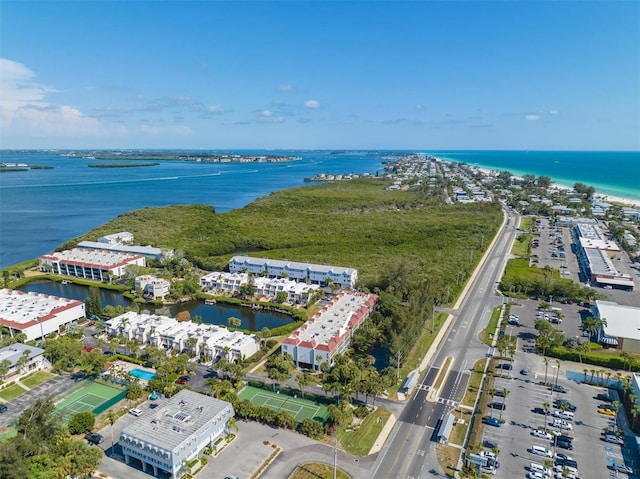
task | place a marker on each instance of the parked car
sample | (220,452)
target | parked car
(541,434)
(524,372)
(492,421)
(498,405)
(505,366)
(500,393)
(562,424)
(622,468)
(94,438)
(562,455)
(559,402)
(183,379)
(537,475)
(3,408)
(538,410)
(607,411)
(604,397)
(565,445)
(559,388)
(135,411)
(566,462)
(541,451)
(612,438)
(489,444)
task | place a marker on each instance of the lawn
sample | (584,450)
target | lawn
(448,457)
(35,379)
(317,470)
(474,383)
(12,391)
(521,245)
(359,442)
(486,335)
(526,223)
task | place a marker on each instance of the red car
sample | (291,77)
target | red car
(183,380)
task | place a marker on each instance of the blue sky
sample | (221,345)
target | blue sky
(319,74)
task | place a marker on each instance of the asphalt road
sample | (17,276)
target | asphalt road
(410,451)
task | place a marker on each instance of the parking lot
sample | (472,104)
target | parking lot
(524,413)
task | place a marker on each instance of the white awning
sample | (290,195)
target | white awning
(609,341)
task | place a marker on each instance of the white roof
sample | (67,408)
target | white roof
(622,321)
(22,308)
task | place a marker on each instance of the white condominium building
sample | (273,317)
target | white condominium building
(329,331)
(35,314)
(97,265)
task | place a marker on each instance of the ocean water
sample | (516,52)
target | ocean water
(40,209)
(611,173)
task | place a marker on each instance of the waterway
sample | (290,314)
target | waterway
(252,320)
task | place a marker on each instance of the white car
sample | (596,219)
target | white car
(561,424)
(542,434)
(537,475)
(135,411)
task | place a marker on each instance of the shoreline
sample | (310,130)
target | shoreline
(635,203)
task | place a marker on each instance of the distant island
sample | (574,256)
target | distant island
(7,167)
(120,165)
(199,157)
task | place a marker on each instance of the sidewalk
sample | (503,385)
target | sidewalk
(382,437)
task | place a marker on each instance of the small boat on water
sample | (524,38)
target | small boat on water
(209,301)
(65,281)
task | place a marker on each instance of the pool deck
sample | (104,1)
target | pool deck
(123,367)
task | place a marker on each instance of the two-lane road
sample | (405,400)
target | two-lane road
(409,451)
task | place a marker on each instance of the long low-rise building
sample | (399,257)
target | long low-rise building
(306,272)
(329,331)
(35,314)
(98,265)
(209,340)
(225,283)
(166,438)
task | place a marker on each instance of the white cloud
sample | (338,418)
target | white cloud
(285,88)
(266,116)
(215,109)
(24,111)
(554,112)
(313,104)
(532,117)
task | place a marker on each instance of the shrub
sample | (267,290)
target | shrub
(81,422)
(361,412)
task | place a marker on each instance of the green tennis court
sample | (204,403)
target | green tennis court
(299,408)
(87,398)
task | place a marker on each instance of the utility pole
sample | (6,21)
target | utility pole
(398,356)
(335,455)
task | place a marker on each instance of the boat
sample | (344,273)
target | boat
(66,281)
(209,301)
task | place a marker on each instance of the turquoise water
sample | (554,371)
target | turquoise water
(610,172)
(142,374)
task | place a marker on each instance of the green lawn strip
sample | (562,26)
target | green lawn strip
(316,470)
(486,335)
(36,379)
(360,441)
(422,346)
(526,223)
(12,391)
(473,388)
(521,245)
(459,430)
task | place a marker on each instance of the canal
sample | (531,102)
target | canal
(252,320)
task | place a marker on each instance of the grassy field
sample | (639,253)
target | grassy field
(359,224)
(11,392)
(521,245)
(526,223)
(360,441)
(486,335)
(317,470)
(475,380)
(35,379)
(299,408)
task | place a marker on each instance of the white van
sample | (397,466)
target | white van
(568,415)
(541,451)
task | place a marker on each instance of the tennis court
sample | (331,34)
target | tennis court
(87,398)
(299,408)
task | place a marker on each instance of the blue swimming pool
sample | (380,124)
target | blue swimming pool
(142,374)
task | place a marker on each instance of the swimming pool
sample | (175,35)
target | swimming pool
(142,374)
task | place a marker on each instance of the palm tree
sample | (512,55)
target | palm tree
(615,405)
(303,381)
(592,371)
(546,407)
(548,464)
(235,322)
(585,370)
(505,393)
(112,418)
(492,392)
(546,368)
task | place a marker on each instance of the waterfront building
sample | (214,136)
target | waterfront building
(223,283)
(33,359)
(306,272)
(329,331)
(124,237)
(210,340)
(622,330)
(166,438)
(146,251)
(297,293)
(97,265)
(35,314)
(152,287)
